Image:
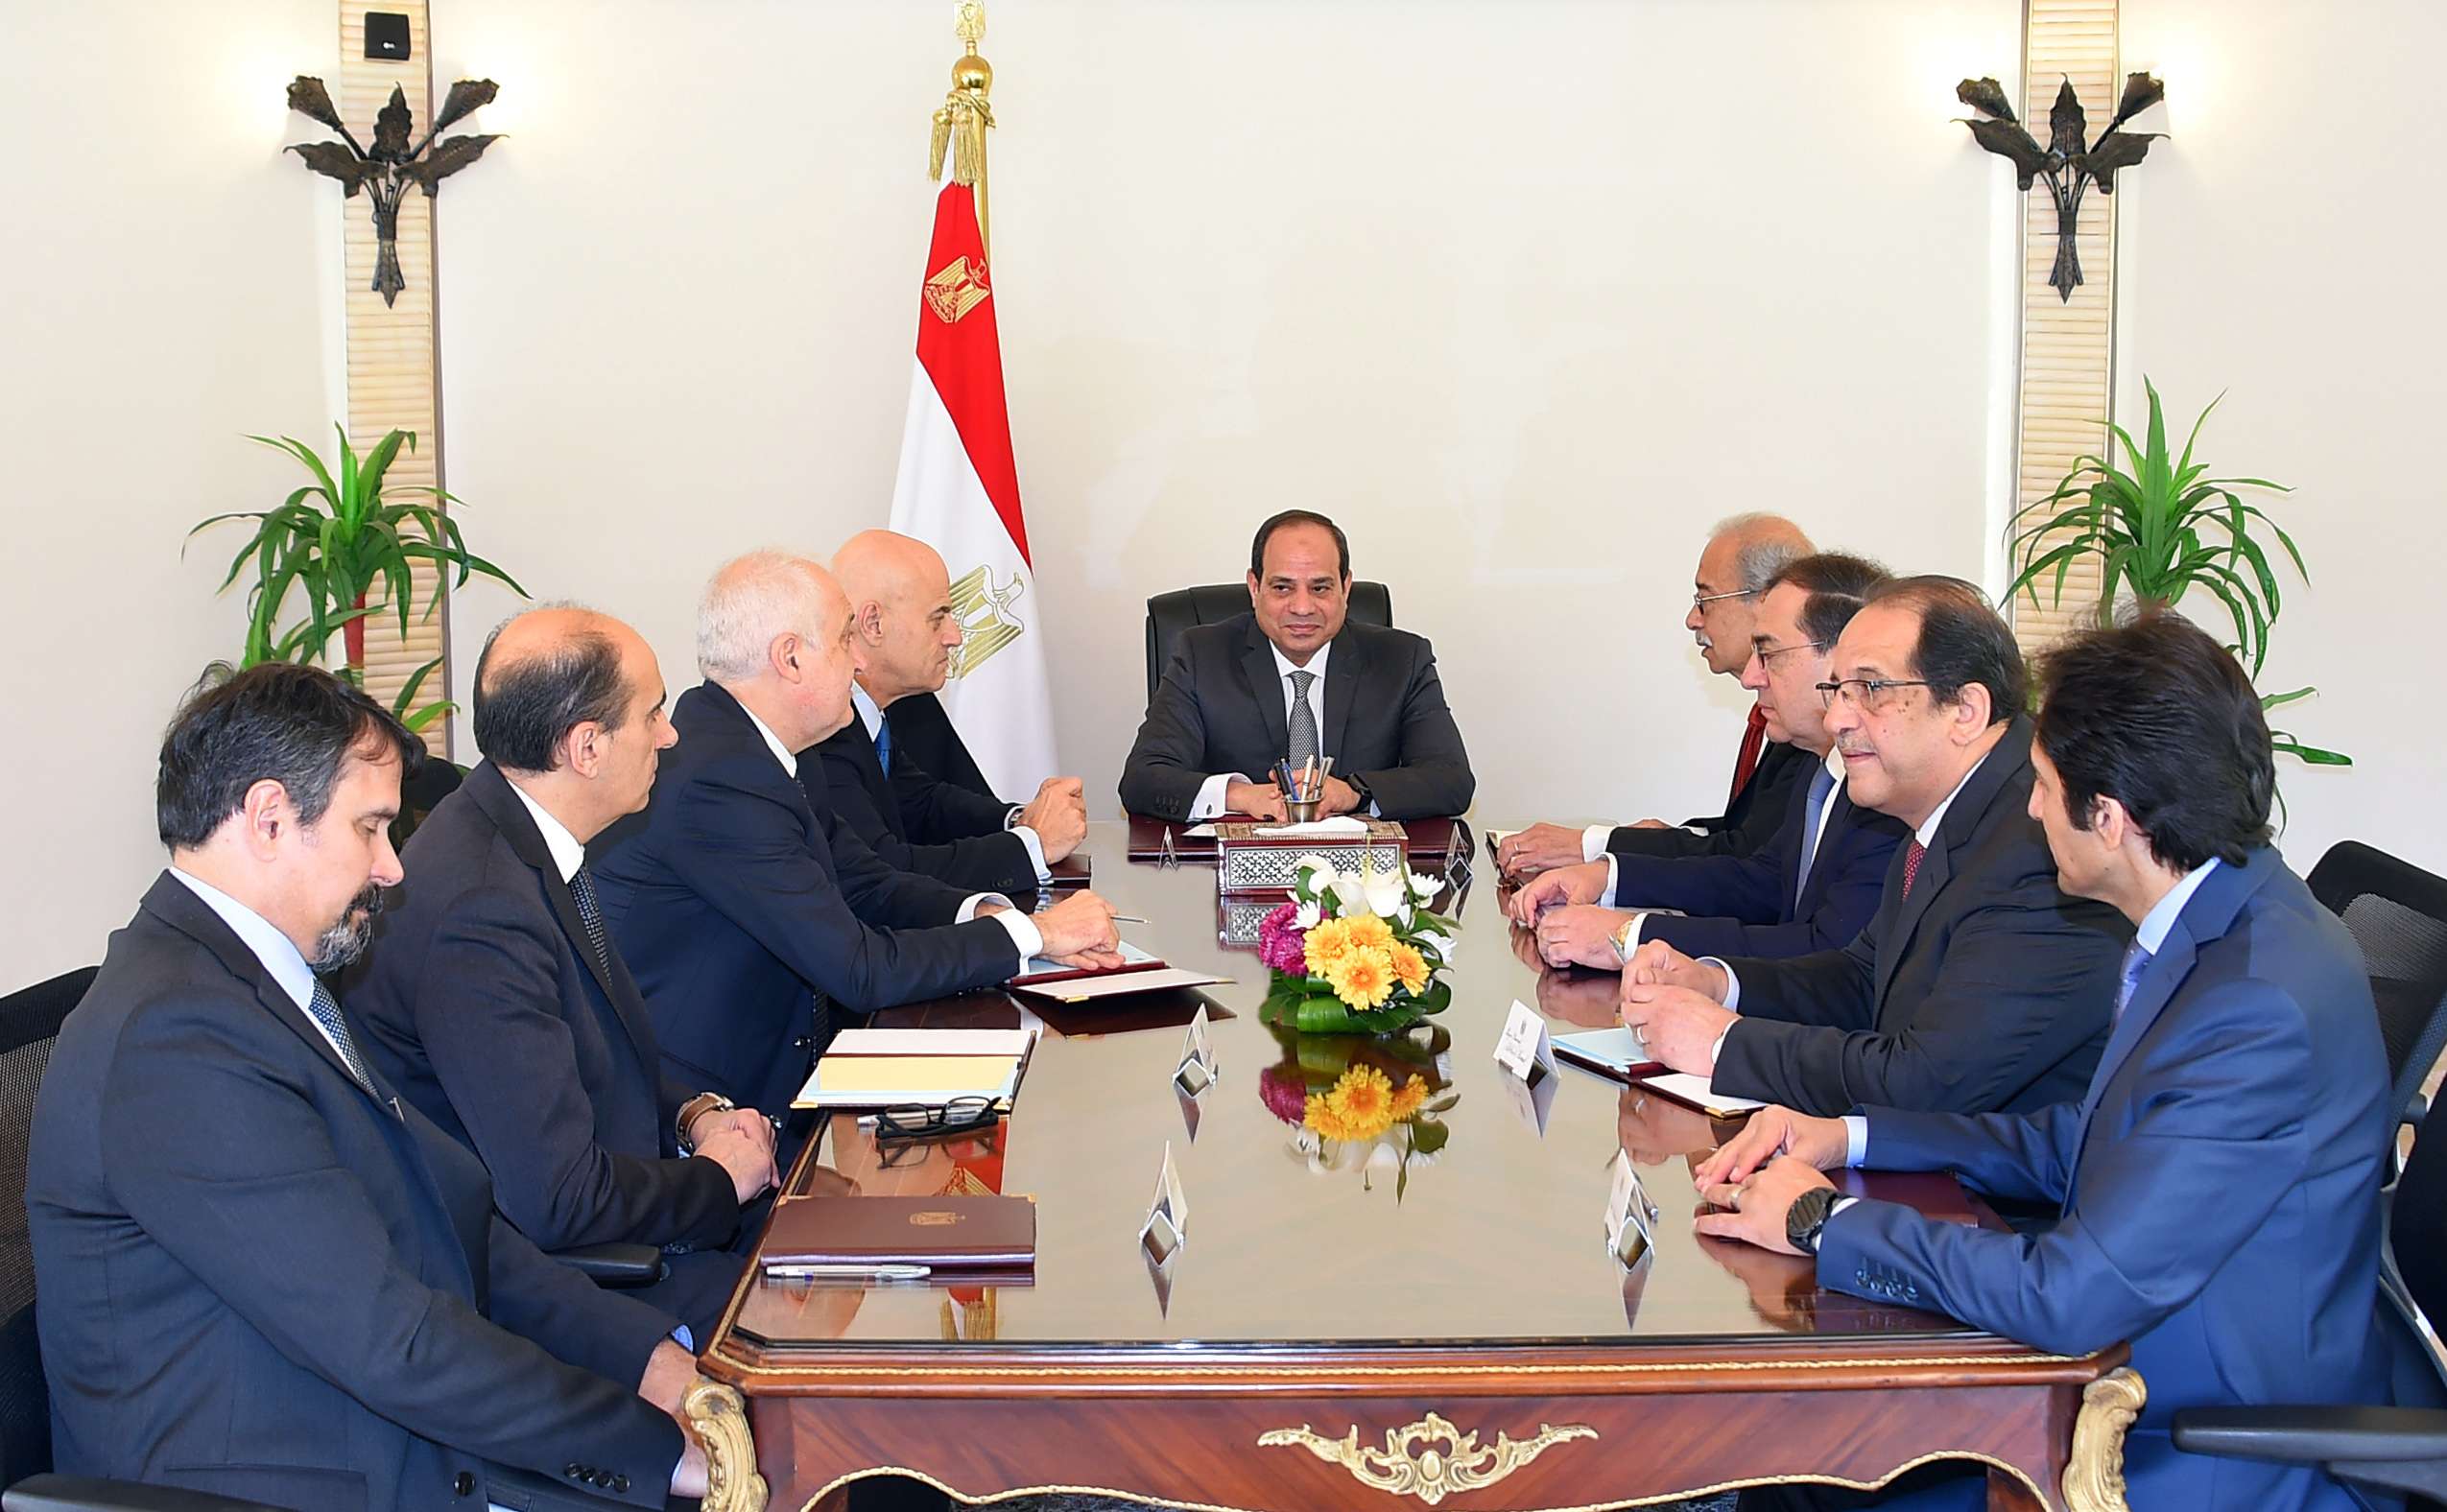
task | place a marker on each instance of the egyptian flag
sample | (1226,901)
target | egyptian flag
(959,492)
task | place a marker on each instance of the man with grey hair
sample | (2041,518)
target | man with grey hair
(1742,556)
(744,920)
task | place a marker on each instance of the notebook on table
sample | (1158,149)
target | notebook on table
(980,1232)
(923,1068)
(1140,972)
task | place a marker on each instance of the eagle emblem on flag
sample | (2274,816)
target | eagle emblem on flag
(960,287)
(987,621)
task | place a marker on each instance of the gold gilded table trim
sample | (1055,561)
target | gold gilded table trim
(1410,1465)
(1118,1372)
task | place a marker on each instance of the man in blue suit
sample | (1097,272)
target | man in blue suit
(2219,1184)
(263,1274)
(743,919)
(1813,885)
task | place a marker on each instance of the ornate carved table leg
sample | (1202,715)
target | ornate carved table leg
(2095,1479)
(719,1418)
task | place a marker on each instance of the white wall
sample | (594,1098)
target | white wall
(1525,296)
(165,295)
(2282,246)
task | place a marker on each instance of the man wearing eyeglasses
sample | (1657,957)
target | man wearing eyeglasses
(1978,986)
(1742,556)
(1813,886)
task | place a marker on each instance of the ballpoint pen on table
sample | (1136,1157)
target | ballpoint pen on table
(850,1273)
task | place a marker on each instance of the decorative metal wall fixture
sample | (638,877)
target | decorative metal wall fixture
(387,171)
(2066,162)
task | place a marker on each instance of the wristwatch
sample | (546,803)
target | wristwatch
(691,1111)
(1807,1217)
(1359,786)
(1625,940)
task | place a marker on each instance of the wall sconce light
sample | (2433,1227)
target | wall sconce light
(386,172)
(2066,163)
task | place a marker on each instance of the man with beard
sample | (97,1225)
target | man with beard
(263,1274)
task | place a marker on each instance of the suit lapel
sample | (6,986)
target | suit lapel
(516,826)
(1345,671)
(1257,663)
(1830,835)
(1964,818)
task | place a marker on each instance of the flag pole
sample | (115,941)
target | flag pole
(962,122)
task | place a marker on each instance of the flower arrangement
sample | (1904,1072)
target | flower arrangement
(1361,1102)
(1355,951)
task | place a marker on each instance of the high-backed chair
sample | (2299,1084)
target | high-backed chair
(28,1021)
(2398,914)
(1169,614)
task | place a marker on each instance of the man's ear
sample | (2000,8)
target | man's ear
(1973,712)
(2111,821)
(784,656)
(1253,590)
(264,816)
(581,749)
(868,622)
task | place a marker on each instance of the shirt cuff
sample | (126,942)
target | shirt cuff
(1839,1204)
(1023,931)
(1209,801)
(1855,1139)
(1593,841)
(1716,1052)
(1036,851)
(1613,881)
(684,1338)
(1732,984)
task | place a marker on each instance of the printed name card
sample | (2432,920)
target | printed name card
(1197,1071)
(1168,1216)
(1630,1217)
(1525,1048)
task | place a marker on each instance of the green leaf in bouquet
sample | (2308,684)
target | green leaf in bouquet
(1427,1136)
(1443,1104)
(1435,1000)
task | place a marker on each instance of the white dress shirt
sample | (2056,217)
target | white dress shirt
(871,714)
(1210,793)
(1023,929)
(277,952)
(566,853)
(1816,836)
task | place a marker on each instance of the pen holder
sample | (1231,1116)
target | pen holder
(1304,789)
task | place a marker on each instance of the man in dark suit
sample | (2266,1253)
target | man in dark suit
(494,999)
(1978,985)
(859,778)
(1810,889)
(262,1275)
(1292,680)
(2216,1185)
(744,921)
(1742,557)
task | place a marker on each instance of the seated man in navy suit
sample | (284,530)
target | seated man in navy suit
(901,620)
(262,1273)
(1291,680)
(743,919)
(494,999)
(1810,888)
(2219,1185)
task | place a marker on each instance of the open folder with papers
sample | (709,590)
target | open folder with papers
(926,1068)
(1139,972)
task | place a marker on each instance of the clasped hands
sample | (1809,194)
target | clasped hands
(1059,814)
(1753,1179)
(1677,1006)
(1077,931)
(740,1140)
(1263,800)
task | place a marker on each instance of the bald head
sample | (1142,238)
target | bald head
(773,628)
(900,603)
(569,703)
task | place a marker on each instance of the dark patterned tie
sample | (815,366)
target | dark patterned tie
(1745,761)
(324,1009)
(1911,865)
(582,888)
(1303,743)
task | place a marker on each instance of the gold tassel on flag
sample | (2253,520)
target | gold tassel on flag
(961,124)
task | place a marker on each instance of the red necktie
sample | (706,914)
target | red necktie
(1911,865)
(1754,735)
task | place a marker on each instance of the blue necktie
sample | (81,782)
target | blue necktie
(884,743)
(1819,787)
(2136,961)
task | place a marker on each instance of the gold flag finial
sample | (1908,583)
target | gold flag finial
(961,125)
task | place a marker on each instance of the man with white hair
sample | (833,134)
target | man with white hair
(740,918)
(1742,556)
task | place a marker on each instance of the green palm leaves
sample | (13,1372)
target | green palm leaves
(341,541)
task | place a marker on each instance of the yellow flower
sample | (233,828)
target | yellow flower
(1326,945)
(1359,1107)
(1363,979)
(1369,931)
(1329,1123)
(1409,967)
(1412,1096)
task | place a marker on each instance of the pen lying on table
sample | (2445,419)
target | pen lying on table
(850,1273)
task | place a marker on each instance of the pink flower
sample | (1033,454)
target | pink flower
(1284,1092)
(1280,945)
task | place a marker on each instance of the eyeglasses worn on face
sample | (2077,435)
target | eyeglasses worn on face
(1873,693)
(1768,653)
(1700,601)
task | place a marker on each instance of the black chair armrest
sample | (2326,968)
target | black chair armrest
(615,1264)
(2405,1448)
(90,1494)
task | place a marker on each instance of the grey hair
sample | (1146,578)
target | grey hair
(750,602)
(1770,544)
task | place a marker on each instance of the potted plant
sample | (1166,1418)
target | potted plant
(340,541)
(2161,530)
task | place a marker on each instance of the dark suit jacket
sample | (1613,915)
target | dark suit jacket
(1748,906)
(912,819)
(734,910)
(485,1006)
(2219,1185)
(1749,822)
(259,1281)
(1986,990)
(1219,708)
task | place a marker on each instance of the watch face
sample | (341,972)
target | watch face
(1806,1215)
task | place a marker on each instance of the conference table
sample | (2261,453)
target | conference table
(1434,1319)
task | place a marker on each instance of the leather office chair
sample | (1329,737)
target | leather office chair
(2397,1447)
(1169,614)
(2398,914)
(28,1021)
